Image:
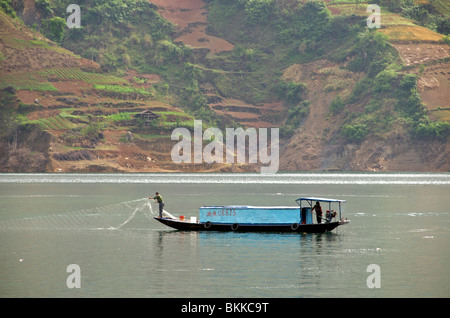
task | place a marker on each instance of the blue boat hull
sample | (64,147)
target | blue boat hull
(209,226)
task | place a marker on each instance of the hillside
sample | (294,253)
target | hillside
(344,97)
(74,117)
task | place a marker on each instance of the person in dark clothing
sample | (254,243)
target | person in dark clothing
(158,198)
(318,209)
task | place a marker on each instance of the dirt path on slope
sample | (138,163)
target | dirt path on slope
(190,17)
(434,82)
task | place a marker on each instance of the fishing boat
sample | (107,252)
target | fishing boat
(262,218)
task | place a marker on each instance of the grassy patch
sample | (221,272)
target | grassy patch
(120,117)
(347,8)
(77,74)
(26,81)
(123,89)
(441,5)
(53,123)
(411,33)
(441,114)
(174,113)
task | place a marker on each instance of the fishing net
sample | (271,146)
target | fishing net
(110,217)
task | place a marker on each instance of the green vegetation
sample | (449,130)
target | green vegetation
(121,33)
(258,11)
(371,53)
(93,131)
(35,81)
(6,6)
(53,123)
(26,81)
(54,28)
(394,100)
(281,33)
(45,7)
(356,132)
(337,105)
(430,129)
(8,116)
(120,117)
(276,35)
(291,92)
(77,74)
(122,89)
(432,14)
(268,36)
(129,34)
(295,117)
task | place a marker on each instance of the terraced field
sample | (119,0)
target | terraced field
(83,107)
(54,123)
(27,80)
(77,74)
(395,26)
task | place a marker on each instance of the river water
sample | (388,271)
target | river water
(397,241)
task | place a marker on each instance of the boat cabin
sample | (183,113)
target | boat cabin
(243,214)
(306,205)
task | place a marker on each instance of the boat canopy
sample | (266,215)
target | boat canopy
(318,199)
(248,207)
(310,201)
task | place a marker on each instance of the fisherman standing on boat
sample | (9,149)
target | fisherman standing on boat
(318,209)
(159,199)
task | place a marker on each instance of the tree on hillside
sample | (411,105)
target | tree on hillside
(394,5)
(312,19)
(6,6)
(54,28)
(372,53)
(257,11)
